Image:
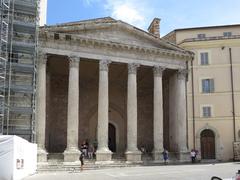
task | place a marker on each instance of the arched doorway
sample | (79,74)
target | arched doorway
(112,137)
(207,144)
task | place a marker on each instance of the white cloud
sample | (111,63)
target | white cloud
(133,12)
(90,2)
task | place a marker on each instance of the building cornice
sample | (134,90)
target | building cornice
(85,41)
(211,43)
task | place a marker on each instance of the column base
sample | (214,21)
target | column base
(71,155)
(104,155)
(184,156)
(133,156)
(157,156)
(42,155)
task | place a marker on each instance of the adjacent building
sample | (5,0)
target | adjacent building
(213,88)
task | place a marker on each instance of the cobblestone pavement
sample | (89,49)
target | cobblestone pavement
(168,172)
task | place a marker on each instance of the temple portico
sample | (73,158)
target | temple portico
(118,96)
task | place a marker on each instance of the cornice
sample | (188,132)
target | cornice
(84,41)
(211,44)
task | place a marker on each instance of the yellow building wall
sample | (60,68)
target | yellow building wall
(221,121)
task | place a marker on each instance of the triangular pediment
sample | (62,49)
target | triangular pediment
(109,29)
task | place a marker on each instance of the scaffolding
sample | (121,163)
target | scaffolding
(4,22)
(19,85)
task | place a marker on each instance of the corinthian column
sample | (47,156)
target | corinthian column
(181,133)
(132,153)
(103,153)
(41,107)
(158,113)
(72,152)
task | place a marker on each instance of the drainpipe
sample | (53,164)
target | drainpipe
(186,105)
(232,89)
(193,105)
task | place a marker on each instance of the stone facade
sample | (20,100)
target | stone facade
(124,78)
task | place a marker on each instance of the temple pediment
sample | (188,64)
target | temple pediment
(111,30)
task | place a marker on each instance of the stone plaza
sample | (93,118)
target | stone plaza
(169,172)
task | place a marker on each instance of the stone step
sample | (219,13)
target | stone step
(75,167)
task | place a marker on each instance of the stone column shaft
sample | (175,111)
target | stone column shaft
(181,133)
(132,154)
(158,113)
(181,109)
(103,152)
(72,153)
(41,107)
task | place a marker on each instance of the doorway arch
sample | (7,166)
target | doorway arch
(208,144)
(112,137)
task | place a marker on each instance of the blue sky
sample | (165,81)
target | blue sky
(174,14)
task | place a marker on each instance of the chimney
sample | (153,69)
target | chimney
(154,27)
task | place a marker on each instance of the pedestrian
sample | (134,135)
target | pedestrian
(196,153)
(165,156)
(193,155)
(84,147)
(81,158)
(90,151)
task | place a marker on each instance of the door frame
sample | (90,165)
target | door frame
(212,151)
(218,144)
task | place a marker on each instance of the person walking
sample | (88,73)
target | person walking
(193,155)
(84,147)
(81,158)
(165,156)
(90,151)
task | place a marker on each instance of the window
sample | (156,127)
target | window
(68,37)
(201,36)
(56,36)
(206,111)
(227,34)
(204,58)
(207,85)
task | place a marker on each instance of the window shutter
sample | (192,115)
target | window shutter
(206,58)
(209,112)
(203,86)
(202,59)
(212,85)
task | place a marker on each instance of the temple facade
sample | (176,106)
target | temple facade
(113,85)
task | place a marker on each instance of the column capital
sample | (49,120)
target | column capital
(73,61)
(182,73)
(158,70)
(103,65)
(132,68)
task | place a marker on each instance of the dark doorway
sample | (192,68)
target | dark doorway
(112,137)
(207,144)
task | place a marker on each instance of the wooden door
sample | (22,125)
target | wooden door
(207,144)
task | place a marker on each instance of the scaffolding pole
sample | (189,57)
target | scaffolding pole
(4,31)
